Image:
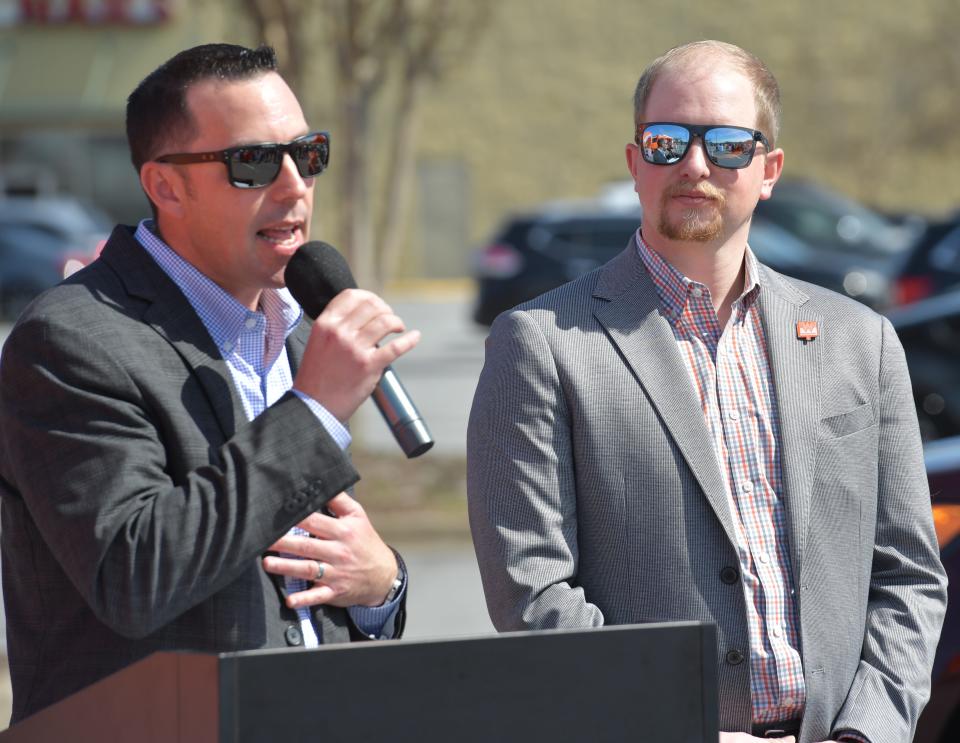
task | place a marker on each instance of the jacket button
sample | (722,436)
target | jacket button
(729,575)
(734,657)
(293,636)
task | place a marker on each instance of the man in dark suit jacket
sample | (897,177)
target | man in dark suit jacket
(166,418)
(684,434)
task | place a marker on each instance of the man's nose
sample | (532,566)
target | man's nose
(696,163)
(289,182)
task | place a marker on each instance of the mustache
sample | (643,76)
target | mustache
(703,190)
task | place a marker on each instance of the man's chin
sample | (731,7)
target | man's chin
(695,231)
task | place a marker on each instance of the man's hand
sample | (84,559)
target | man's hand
(358,567)
(342,362)
(747,738)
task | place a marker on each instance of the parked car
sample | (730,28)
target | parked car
(534,253)
(930,333)
(940,721)
(42,240)
(804,231)
(849,247)
(933,265)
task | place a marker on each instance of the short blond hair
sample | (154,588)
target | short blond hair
(766,91)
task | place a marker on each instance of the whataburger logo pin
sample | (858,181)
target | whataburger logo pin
(807,330)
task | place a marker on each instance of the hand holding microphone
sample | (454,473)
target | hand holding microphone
(343,365)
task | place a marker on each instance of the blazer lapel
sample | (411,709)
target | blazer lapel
(796,368)
(632,319)
(296,343)
(170,314)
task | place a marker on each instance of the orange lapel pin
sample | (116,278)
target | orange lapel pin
(807,330)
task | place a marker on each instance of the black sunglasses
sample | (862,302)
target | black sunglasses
(666,143)
(258,165)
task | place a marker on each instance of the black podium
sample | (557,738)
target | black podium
(654,682)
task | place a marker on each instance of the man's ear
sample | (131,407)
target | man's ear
(164,187)
(772,168)
(632,153)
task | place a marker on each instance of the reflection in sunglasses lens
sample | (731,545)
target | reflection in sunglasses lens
(729,148)
(251,167)
(665,144)
(259,165)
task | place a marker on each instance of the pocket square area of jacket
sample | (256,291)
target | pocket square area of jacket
(843,424)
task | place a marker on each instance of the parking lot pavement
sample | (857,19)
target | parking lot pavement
(446,598)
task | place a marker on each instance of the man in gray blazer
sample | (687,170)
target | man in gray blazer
(684,434)
(166,416)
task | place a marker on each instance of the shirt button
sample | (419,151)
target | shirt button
(762,557)
(733,415)
(776,632)
(251,322)
(786,702)
(696,291)
(747,487)
(228,346)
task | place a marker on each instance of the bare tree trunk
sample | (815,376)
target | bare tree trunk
(399,188)
(355,223)
(276,22)
(363,44)
(422,56)
(367,37)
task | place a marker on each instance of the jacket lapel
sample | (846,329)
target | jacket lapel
(644,337)
(796,368)
(296,343)
(169,313)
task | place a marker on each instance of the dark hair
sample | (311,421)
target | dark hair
(157,113)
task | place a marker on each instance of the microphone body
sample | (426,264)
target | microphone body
(401,415)
(316,274)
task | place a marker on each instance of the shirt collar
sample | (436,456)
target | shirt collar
(674,289)
(221,313)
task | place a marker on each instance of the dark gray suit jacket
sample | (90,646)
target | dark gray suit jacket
(137,498)
(596,497)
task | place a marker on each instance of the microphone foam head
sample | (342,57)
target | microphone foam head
(317,273)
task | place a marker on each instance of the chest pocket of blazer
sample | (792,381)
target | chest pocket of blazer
(844,424)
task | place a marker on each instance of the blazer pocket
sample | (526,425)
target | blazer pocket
(844,424)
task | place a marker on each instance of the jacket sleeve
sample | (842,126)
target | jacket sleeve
(96,466)
(907,594)
(521,486)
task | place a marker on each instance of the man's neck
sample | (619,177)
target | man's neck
(718,265)
(249,298)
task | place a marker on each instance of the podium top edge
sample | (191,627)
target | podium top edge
(692,625)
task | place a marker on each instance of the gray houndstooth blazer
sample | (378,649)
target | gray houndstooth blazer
(137,498)
(595,496)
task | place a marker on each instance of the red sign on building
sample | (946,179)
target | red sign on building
(92,12)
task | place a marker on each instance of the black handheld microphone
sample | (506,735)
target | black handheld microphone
(316,274)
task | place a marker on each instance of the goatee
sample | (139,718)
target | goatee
(696,224)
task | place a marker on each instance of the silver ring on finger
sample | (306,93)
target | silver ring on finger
(321,569)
